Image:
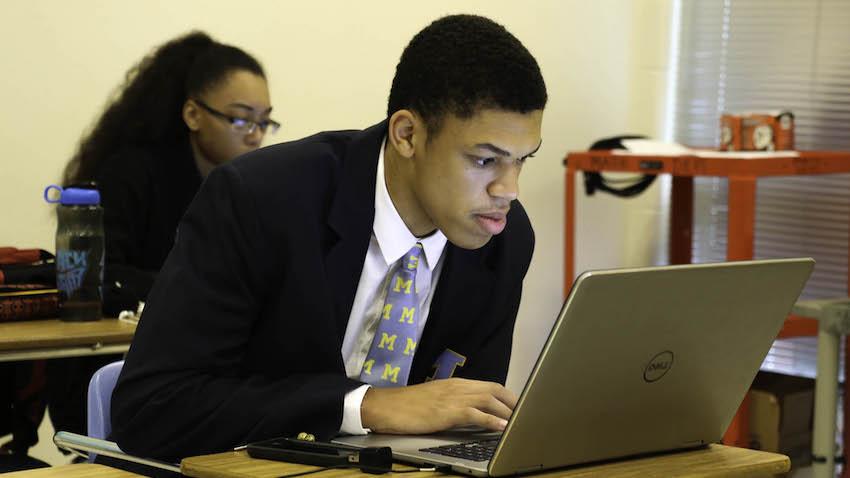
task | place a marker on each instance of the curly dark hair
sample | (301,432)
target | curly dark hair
(147,110)
(462,63)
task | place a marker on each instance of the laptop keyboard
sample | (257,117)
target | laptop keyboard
(474,450)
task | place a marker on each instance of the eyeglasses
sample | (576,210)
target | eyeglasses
(242,125)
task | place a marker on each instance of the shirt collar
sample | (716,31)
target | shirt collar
(393,236)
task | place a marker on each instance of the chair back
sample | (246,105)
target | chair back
(100,400)
(100,424)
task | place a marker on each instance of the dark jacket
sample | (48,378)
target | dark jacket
(241,336)
(144,193)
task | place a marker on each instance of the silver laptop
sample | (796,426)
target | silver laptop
(639,361)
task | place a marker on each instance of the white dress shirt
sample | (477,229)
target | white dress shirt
(390,240)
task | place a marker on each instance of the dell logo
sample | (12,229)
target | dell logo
(658,366)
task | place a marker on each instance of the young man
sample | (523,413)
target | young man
(321,285)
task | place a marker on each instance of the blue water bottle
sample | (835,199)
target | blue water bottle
(79,252)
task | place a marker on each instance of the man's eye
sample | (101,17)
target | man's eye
(484,161)
(240,122)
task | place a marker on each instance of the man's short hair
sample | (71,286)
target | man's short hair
(460,64)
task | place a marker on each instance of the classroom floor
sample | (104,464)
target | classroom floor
(45,450)
(805,472)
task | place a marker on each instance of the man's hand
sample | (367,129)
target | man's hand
(436,406)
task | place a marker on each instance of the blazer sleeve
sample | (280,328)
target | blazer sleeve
(185,388)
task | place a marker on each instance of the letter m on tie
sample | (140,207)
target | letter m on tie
(390,373)
(387,341)
(403,284)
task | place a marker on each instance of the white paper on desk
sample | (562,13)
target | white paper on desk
(747,154)
(651,147)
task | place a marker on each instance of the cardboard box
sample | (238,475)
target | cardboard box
(781,411)
(757,131)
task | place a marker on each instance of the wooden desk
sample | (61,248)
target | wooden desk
(81,470)
(742,175)
(716,460)
(45,339)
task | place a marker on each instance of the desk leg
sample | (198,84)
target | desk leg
(826,396)
(738,433)
(739,236)
(569,228)
(681,219)
(741,218)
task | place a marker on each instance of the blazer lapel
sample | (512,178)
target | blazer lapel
(351,216)
(464,286)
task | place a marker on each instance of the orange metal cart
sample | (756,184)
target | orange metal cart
(742,175)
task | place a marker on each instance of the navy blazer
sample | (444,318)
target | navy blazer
(241,335)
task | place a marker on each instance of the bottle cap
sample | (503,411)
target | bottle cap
(73,196)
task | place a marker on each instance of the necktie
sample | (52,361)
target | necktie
(391,354)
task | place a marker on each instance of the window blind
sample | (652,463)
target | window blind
(764,55)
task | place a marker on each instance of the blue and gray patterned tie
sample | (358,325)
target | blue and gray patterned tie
(391,355)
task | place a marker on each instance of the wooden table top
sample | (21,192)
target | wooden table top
(80,470)
(31,334)
(716,460)
(807,162)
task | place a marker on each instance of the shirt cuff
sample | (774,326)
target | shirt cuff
(351,422)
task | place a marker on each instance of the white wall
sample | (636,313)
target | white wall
(330,64)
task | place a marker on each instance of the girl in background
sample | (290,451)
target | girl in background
(192,104)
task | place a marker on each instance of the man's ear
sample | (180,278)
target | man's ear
(406,129)
(192,115)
